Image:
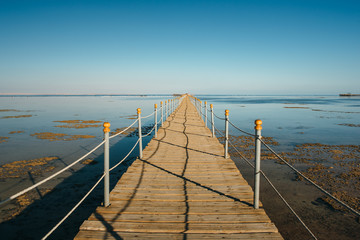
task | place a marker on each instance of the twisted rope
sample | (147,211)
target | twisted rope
(276,191)
(310,181)
(219,117)
(50,177)
(149,132)
(250,134)
(73,209)
(148,115)
(117,134)
(137,142)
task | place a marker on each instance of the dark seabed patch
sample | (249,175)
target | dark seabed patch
(349,124)
(15,132)
(79,124)
(22,168)
(3,139)
(59,136)
(18,116)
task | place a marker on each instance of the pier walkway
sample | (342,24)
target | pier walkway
(182,188)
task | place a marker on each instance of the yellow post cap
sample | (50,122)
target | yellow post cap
(106,127)
(205,102)
(138,110)
(258,123)
(211,106)
(226,112)
(155,105)
(161,102)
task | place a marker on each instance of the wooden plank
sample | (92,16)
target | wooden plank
(156,227)
(179,210)
(235,204)
(183,188)
(180,218)
(100,235)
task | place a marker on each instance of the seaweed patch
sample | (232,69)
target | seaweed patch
(59,136)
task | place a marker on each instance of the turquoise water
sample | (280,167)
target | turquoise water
(290,120)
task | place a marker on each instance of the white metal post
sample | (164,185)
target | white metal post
(106,165)
(139,131)
(200,106)
(155,127)
(166,110)
(205,109)
(226,132)
(162,113)
(212,121)
(258,128)
(171,106)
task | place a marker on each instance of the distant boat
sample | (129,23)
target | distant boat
(348,95)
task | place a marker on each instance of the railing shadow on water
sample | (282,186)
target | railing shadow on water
(38,218)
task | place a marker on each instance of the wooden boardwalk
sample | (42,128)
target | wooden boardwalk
(183,188)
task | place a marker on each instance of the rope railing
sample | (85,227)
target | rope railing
(73,209)
(287,204)
(247,133)
(276,191)
(220,118)
(149,132)
(117,134)
(50,177)
(127,155)
(148,115)
(309,180)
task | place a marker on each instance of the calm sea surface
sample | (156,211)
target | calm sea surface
(290,120)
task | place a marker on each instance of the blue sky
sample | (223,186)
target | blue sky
(203,47)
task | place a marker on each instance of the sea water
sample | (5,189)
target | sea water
(120,111)
(290,120)
(293,120)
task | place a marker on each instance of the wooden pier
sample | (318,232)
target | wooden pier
(182,188)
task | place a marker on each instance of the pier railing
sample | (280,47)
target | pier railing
(203,110)
(166,110)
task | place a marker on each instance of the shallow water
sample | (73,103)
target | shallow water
(290,120)
(45,110)
(293,120)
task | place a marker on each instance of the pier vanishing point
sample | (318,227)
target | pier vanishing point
(181,188)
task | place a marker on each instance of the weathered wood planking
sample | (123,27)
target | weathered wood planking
(183,188)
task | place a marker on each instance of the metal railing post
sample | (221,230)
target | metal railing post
(226,132)
(205,109)
(212,121)
(200,106)
(165,110)
(106,165)
(258,128)
(162,113)
(155,127)
(139,131)
(197,105)
(168,106)
(172,106)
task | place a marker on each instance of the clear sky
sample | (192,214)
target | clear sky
(201,47)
